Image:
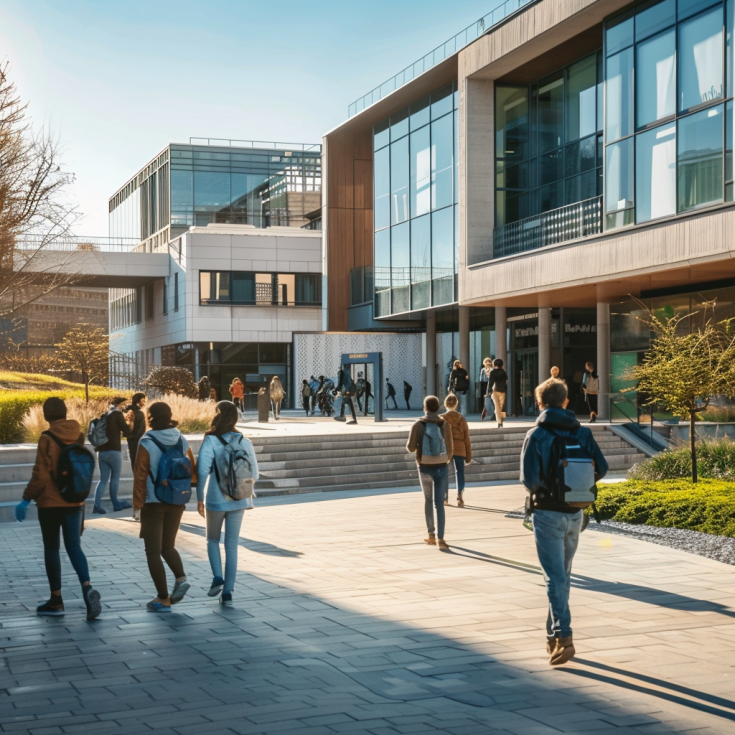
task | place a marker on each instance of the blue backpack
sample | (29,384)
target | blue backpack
(74,471)
(172,483)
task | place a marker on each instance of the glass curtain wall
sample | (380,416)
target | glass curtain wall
(668,121)
(548,146)
(415,205)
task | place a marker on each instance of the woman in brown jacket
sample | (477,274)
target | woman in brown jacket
(55,515)
(462,446)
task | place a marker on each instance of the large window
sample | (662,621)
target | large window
(259,289)
(674,140)
(415,186)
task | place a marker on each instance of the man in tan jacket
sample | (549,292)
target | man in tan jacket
(431,440)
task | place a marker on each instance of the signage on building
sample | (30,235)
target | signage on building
(356,357)
(577,328)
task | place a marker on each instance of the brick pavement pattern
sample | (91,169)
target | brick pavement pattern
(346,622)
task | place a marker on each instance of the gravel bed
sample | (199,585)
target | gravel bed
(719,548)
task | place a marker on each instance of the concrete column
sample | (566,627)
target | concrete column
(431,353)
(501,334)
(464,354)
(544,343)
(603,359)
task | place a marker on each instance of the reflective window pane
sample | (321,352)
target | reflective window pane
(420,172)
(211,190)
(728,142)
(550,112)
(420,113)
(619,96)
(381,135)
(690,7)
(551,167)
(442,243)
(442,154)
(655,177)
(400,267)
(399,176)
(399,125)
(442,102)
(654,16)
(700,147)
(700,59)
(619,33)
(382,260)
(730,39)
(655,79)
(619,176)
(511,122)
(381,185)
(421,249)
(582,99)
(455,135)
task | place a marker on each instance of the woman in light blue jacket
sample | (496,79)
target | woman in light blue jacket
(220,508)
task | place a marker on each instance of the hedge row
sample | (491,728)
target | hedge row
(14,405)
(707,506)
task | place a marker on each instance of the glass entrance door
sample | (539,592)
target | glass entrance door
(525,378)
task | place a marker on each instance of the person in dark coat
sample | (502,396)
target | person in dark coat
(407,390)
(459,379)
(390,393)
(346,388)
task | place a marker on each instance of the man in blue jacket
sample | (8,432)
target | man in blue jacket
(556,525)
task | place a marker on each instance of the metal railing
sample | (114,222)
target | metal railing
(70,243)
(558,225)
(498,14)
(266,144)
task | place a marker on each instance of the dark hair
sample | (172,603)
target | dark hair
(137,398)
(498,363)
(431,404)
(54,409)
(159,416)
(117,400)
(225,419)
(551,393)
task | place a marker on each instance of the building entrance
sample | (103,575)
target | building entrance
(523,383)
(360,363)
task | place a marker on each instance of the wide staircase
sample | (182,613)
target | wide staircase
(317,463)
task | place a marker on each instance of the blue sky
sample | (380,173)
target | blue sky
(116,81)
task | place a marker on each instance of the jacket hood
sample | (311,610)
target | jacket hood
(558,418)
(453,418)
(169,437)
(66,430)
(433,418)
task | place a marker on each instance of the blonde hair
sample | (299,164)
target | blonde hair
(451,401)
(276,389)
(551,393)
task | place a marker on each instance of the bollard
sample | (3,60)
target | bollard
(264,405)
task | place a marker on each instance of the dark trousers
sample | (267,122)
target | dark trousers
(391,398)
(55,522)
(347,401)
(133,450)
(305,403)
(159,524)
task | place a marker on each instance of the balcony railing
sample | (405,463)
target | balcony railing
(69,243)
(558,225)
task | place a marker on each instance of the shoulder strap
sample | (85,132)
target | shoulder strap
(161,446)
(55,439)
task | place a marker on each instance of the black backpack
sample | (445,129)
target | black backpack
(74,471)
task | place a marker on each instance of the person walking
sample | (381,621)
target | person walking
(221,442)
(306,396)
(56,516)
(109,456)
(459,379)
(314,385)
(499,386)
(591,388)
(277,396)
(159,520)
(431,441)
(204,387)
(237,391)
(407,390)
(556,524)
(487,401)
(347,388)
(135,415)
(462,447)
(390,393)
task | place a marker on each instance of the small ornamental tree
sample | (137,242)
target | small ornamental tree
(86,350)
(685,367)
(177,380)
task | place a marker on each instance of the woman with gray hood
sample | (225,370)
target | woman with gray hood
(162,447)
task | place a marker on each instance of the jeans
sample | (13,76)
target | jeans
(232,520)
(557,536)
(159,524)
(110,471)
(435,483)
(458,473)
(69,522)
(347,401)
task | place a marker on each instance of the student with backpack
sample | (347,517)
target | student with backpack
(164,472)
(560,464)
(227,472)
(60,483)
(461,445)
(104,436)
(431,441)
(306,396)
(347,388)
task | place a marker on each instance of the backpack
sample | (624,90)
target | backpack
(234,471)
(97,434)
(74,470)
(431,439)
(592,384)
(572,472)
(172,483)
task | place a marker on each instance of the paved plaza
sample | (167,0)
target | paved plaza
(346,622)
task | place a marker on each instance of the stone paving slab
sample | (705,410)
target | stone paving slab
(346,622)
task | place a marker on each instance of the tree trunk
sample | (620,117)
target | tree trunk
(693,445)
(86,388)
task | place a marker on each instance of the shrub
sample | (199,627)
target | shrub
(167,380)
(722,414)
(194,416)
(715,460)
(707,506)
(34,424)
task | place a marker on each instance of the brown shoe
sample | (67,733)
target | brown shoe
(563,653)
(551,645)
(431,540)
(446,502)
(460,502)
(442,544)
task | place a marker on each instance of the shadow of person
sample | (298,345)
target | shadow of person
(259,547)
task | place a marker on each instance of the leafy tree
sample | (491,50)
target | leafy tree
(686,366)
(86,350)
(177,380)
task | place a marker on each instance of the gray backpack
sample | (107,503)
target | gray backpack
(234,471)
(97,433)
(432,440)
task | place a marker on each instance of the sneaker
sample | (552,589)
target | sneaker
(180,589)
(339,418)
(352,421)
(92,601)
(99,511)
(218,585)
(53,608)
(136,516)
(158,607)
(431,540)
(123,506)
(460,502)
(442,544)
(226,599)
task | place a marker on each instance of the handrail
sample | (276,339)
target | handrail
(71,243)
(268,144)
